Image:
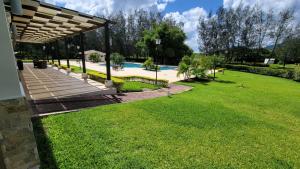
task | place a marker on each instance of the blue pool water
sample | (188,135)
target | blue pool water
(139,65)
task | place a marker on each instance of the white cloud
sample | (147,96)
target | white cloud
(189,17)
(108,6)
(190,20)
(266,5)
(162,4)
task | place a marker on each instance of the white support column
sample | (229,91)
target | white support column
(10,87)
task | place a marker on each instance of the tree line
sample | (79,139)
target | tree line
(125,33)
(242,33)
(134,34)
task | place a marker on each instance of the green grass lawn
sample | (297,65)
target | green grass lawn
(137,86)
(240,121)
(287,66)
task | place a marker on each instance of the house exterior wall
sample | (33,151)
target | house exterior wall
(9,80)
(17,143)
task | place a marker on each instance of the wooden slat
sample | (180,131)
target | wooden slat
(43,22)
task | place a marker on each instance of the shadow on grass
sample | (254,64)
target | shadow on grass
(225,81)
(206,81)
(193,81)
(47,158)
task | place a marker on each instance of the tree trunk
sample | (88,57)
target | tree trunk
(274,47)
(214,73)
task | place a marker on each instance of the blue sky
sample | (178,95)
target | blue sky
(184,5)
(185,11)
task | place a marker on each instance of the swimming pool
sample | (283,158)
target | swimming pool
(139,65)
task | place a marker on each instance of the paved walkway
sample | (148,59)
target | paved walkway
(127,97)
(134,96)
(101,86)
(50,90)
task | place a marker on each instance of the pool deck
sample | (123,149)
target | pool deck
(170,75)
(51,90)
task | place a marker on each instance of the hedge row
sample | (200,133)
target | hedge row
(101,77)
(283,73)
(297,74)
(97,76)
(65,67)
(27,60)
(160,82)
(252,64)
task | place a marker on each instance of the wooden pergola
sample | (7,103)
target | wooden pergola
(43,23)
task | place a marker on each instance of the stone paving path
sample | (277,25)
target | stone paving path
(134,96)
(126,97)
(49,90)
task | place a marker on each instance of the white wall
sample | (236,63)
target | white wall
(9,80)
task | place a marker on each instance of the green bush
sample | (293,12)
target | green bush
(101,77)
(297,73)
(95,57)
(256,64)
(149,65)
(196,65)
(117,60)
(284,73)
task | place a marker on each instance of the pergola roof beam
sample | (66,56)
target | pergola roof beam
(42,22)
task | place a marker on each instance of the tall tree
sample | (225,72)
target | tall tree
(172,47)
(289,50)
(240,33)
(282,27)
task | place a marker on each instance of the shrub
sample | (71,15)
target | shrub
(212,62)
(185,68)
(193,65)
(297,73)
(117,60)
(101,77)
(65,67)
(256,64)
(95,57)
(148,63)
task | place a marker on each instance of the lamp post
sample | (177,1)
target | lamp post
(52,58)
(157,42)
(78,60)
(67,46)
